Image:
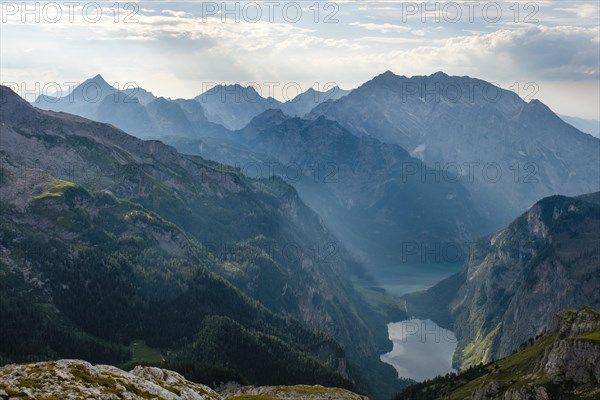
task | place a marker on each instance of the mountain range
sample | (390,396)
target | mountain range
(234,106)
(508,152)
(241,246)
(140,113)
(358,185)
(134,110)
(186,254)
(478,147)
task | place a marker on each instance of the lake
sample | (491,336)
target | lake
(422,349)
(405,278)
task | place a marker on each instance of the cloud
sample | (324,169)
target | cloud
(173,13)
(383,28)
(582,10)
(544,52)
(389,40)
(420,32)
(390,28)
(185,49)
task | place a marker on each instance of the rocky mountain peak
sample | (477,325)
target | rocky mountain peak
(269,117)
(9,98)
(233,90)
(383,80)
(388,74)
(99,80)
(440,74)
(12,106)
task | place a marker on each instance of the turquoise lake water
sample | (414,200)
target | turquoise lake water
(422,350)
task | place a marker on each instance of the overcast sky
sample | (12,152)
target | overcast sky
(545,49)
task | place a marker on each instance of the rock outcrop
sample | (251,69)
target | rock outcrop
(75,379)
(70,379)
(299,392)
(576,357)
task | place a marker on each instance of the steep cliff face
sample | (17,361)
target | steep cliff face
(78,379)
(575,356)
(563,363)
(514,281)
(567,363)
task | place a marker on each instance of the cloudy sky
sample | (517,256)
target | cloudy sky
(544,49)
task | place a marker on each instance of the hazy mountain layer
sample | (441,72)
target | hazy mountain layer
(234,106)
(510,152)
(590,126)
(136,111)
(358,185)
(160,228)
(142,114)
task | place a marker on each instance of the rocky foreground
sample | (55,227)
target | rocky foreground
(76,379)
